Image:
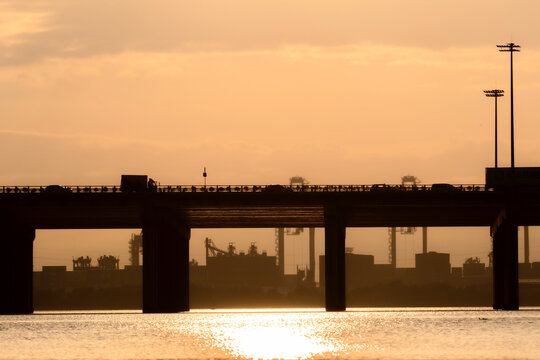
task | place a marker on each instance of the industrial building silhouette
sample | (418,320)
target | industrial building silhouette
(234,278)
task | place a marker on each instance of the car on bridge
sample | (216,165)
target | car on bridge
(442,187)
(57,189)
(276,189)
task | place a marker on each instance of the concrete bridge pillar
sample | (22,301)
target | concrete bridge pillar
(165,263)
(16,267)
(505,263)
(334,250)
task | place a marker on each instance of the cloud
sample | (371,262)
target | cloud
(17,24)
(89,140)
(169,64)
(60,28)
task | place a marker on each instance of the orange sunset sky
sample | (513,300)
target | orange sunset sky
(354,92)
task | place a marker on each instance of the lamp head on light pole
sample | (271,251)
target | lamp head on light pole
(495,93)
(509,47)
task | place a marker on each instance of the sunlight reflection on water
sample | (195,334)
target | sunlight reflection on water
(271,343)
(274,336)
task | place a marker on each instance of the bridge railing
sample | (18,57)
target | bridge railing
(246,188)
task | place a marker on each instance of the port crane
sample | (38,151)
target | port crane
(407,181)
(295,182)
(213,250)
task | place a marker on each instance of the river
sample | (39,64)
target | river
(397,333)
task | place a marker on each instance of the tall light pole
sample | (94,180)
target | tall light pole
(511,48)
(495,93)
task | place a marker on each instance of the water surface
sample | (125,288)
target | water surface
(275,334)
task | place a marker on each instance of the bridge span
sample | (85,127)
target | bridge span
(167,213)
(254,206)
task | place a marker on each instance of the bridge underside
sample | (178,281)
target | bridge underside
(284,216)
(107,211)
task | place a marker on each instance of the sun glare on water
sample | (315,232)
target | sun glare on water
(272,343)
(272,336)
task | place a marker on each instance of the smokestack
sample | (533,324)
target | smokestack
(424,240)
(281,251)
(526,243)
(393,247)
(311,254)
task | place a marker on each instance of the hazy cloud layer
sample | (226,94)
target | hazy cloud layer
(63,28)
(37,159)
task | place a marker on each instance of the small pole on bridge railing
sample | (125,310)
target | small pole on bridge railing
(204,176)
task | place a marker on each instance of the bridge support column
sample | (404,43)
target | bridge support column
(334,250)
(165,264)
(16,268)
(505,263)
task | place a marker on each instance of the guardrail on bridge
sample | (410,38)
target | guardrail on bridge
(243,188)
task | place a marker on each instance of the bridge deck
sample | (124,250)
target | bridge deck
(243,209)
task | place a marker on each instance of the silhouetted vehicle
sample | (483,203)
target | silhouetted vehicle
(152,185)
(442,187)
(134,183)
(57,189)
(377,187)
(276,189)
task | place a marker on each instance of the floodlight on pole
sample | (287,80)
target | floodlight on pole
(495,93)
(511,48)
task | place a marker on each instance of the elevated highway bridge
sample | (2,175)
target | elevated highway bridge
(167,213)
